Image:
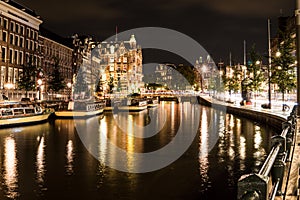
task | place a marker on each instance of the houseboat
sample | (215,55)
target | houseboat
(133,105)
(152,102)
(79,109)
(21,113)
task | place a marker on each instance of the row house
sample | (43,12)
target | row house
(55,48)
(19,41)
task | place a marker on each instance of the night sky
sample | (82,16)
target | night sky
(220,26)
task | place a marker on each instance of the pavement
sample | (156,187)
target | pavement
(276,106)
(291,181)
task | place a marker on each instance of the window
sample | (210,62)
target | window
(15,81)
(21,42)
(4,36)
(11,38)
(21,61)
(16,60)
(17,28)
(28,32)
(12,26)
(22,29)
(27,57)
(11,56)
(32,34)
(10,75)
(36,35)
(16,40)
(3,71)
(5,23)
(20,73)
(27,44)
(3,54)
(32,45)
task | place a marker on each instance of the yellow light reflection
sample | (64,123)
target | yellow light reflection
(257,137)
(203,154)
(130,142)
(102,141)
(242,152)
(70,157)
(10,167)
(40,161)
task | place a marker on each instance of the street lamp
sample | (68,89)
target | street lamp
(278,54)
(39,81)
(69,85)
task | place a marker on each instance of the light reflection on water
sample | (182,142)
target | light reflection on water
(10,167)
(50,161)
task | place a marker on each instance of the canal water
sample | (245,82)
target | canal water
(54,160)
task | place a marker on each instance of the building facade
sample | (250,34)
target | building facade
(55,49)
(19,41)
(120,66)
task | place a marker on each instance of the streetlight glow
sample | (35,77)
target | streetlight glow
(278,54)
(39,81)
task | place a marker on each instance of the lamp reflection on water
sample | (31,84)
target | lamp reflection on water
(203,149)
(10,167)
(40,161)
(70,157)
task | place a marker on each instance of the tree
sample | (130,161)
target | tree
(255,71)
(56,80)
(232,82)
(80,84)
(283,65)
(27,79)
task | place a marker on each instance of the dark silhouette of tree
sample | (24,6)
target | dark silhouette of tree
(28,76)
(56,80)
(80,84)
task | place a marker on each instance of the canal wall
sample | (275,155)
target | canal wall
(263,116)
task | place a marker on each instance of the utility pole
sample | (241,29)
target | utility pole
(297,13)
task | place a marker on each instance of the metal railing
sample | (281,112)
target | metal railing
(267,183)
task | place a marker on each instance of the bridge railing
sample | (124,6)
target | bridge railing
(267,183)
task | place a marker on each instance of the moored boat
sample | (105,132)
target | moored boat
(20,113)
(133,105)
(79,109)
(152,102)
(111,104)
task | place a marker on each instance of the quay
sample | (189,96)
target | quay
(278,178)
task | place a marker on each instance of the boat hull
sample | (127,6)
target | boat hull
(77,114)
(132,108)
(25,120)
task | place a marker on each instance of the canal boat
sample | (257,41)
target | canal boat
(21,113)
(152,102)
(133,105)
(111,104)
(79,109)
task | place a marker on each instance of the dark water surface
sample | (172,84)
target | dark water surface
(50,161)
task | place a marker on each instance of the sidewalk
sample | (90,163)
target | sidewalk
(276,107)
(291,180)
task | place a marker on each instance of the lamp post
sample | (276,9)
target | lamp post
(39,81)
